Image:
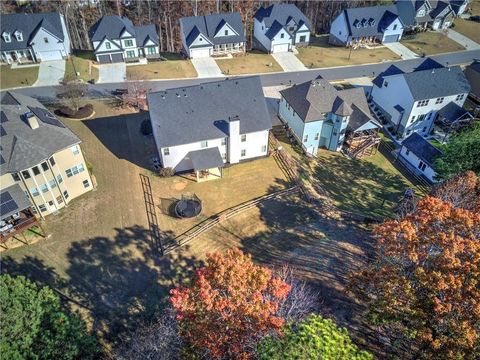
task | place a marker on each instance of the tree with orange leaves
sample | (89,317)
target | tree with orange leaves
(425,281)
(230,303)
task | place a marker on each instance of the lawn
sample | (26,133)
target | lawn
(175,67)
(321,54)
(251,63)
(431,43)
(11,78)
(80,62)
(470,29)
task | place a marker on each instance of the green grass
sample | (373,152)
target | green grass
(430,43)
(10,78)
(80,63)
(437,144)
(251,63)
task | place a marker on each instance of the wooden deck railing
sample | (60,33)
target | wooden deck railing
(19,228)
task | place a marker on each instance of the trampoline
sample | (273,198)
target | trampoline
(188,207)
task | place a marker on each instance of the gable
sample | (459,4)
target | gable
(41,33)
(225,28)
(102,47)
(303,28)
(278,35)
(200,40)
(126,34)
(149,43)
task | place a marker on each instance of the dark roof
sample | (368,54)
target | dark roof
(406,10)
(205,159)
(111,27)
(209,25)
(281,13)
(422,148)
(391,70)
(472,73)
(428,64)
(12,200)
(313,99)
(438,9)
(369,21)
(23,147)
(28,24)
(452,112)
(201,112)
(274,29)
(456,4)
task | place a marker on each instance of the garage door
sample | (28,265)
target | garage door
(390,38)
(117,58)
(280,48)
(199,53)
(104,59)
(50,55)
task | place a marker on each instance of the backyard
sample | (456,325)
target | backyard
(321,54)
(470,29)
(11,78)
(251,63)
(80,62)
(430,43)
(174,67)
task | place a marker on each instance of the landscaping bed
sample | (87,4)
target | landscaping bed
(83,112)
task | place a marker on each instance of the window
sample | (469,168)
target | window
(51,203)
(243,152)
(385,83)
(45,40)
(65,194)
(42,208)
(52,184)
(340,33)
(412,118)
(34,191)
(44,166)
(407,152)
(59,200)
(243,138)
(439,100)
(224,156)
(422,165)
(224,141)
(36,170)
(52,161)
(166,151)
(81,168)
(19,36)
(421,13)
(75,150)
(130,54)
(151,50)
(395,27)
(291,28)
(420,117)
(69,173)
(59,179)
(264,148)
(305,138)
(424,129)
(86,183)
(317,136)
(15,177)
(26,174)
(459,97)
(422,103)
(226,32)
(204,144)
(282,35)
(128,43)
(44,188)
(108,46)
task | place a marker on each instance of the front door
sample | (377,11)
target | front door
(13,54)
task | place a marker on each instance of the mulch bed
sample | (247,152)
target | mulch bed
(83,112)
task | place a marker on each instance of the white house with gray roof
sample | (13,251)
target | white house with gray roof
(432,13)
(280,27)
(116,39)
(409,102)
(206,126)
(34,37)
(211,35)
(366,25)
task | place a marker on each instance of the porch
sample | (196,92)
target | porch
(207,164)
(362,143)
(232,48)
(18,56)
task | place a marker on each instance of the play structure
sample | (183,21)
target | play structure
(188,206)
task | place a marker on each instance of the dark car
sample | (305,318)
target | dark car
(475,18)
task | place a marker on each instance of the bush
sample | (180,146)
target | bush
(166,172)
(146,127)
(81,113)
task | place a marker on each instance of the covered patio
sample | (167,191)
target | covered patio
(207,164)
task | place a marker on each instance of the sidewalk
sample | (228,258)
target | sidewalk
(463,40)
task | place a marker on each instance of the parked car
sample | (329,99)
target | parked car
(475,18)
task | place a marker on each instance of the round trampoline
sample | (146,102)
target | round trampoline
(188,207)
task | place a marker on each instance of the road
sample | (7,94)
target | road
(49,93)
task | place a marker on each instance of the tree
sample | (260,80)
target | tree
(425,281)
(462,153)
(74,92)
(462,191)
(311,339)
(35,327)
(230,303)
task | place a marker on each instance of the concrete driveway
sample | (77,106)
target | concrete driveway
(50,73)
(110,73)
(462,40)
(288,61)
(206,67)
(401,50)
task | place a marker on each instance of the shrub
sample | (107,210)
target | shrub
(166,172)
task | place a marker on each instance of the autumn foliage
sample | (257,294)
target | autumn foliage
(230,303)
(462,190)
(425,281)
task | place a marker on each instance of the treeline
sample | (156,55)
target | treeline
(81,15)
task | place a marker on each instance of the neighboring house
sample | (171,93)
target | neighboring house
(279,27)
(366,25)
(408,102)
(116,39)
(319,115)
(422,13)
(472,73)
(459,6)
(205,126)
(33,38)
(211,35)
(419,155)
(40,155)
(441,15)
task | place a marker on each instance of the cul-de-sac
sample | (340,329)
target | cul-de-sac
(240,179)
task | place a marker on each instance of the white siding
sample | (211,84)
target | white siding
(293,120)
(66,37)
(259,34)
(414,161)
(278,40)
(339,28)
(298,35)
(391,30)
(53,44)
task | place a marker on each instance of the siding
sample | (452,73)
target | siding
(413,160)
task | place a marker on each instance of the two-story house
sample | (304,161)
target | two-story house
(422,13)
(205,126)
(116,39)
(409,102)
(33,38)
(212,35)
(320,116)
(40,155)
(280,27)
(366,25)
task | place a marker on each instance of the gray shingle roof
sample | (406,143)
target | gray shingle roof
(281,13)
(452,112)
(111,27)
(422,148)
(144,33)
(371,20)
(28,24)
(209,25)
(23,147)
(12,200)
(201,112)
(472,73)
(205,159)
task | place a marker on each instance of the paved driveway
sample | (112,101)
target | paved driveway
(110,73)
(50,73)
(401,50)
(463,40)
(207,67)
(288,61)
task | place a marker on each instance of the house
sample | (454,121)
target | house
(280,27)
(459,6)
(211,35)
(40,155)
(422,13)
(319,115)
(419,155)
(36,37)
(472,73)
(366,25)
(409,102)
(206,126)
(116,39)
(441,15)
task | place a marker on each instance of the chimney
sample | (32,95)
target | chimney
(32,120)
(234,139)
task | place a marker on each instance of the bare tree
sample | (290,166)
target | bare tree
(74,92)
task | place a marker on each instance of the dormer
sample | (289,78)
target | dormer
(224,29)
(7,37)
(18,35)
(357,24)
(364,23)
(371,22)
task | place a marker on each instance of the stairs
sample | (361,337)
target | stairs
(366,147)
